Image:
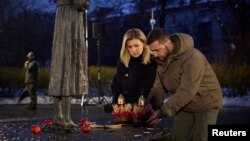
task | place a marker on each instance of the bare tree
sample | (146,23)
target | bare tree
(22,29)
(163,4)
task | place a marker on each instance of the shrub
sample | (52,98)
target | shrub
(235,77)
(11,76)
(106,74)
(43,78)
(12,79)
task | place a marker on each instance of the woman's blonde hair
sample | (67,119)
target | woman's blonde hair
(134,33)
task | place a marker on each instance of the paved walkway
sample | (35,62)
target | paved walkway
(15,123)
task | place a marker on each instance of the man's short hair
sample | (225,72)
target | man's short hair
(30,54)
(157,34)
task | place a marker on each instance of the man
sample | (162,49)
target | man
(31,73)
(183,72)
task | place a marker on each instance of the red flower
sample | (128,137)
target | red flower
(86,129)
(48,122)
(85,122)
(36,129)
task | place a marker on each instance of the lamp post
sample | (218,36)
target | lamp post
(152,20)
(86,44)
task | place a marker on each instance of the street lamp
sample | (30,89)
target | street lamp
(152,20)
(86,42)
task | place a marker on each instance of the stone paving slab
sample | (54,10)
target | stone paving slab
(17,130)
(16,123)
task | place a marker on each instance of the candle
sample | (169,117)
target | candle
(121,100)
(141,101)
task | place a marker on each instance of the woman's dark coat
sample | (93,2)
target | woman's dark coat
(133,81)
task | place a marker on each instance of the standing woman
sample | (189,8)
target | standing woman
(135,69)
(68,74)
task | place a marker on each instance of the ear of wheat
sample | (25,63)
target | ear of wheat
(122,108)
(137,109)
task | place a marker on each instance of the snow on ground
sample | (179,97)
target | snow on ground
(228,101)
(49,100)
(237,101)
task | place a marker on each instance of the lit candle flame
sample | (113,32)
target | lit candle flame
(141,101)
(121,100)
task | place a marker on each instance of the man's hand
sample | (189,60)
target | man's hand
(148,109)
(155,118)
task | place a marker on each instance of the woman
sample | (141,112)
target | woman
(68,74)
(135,69)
